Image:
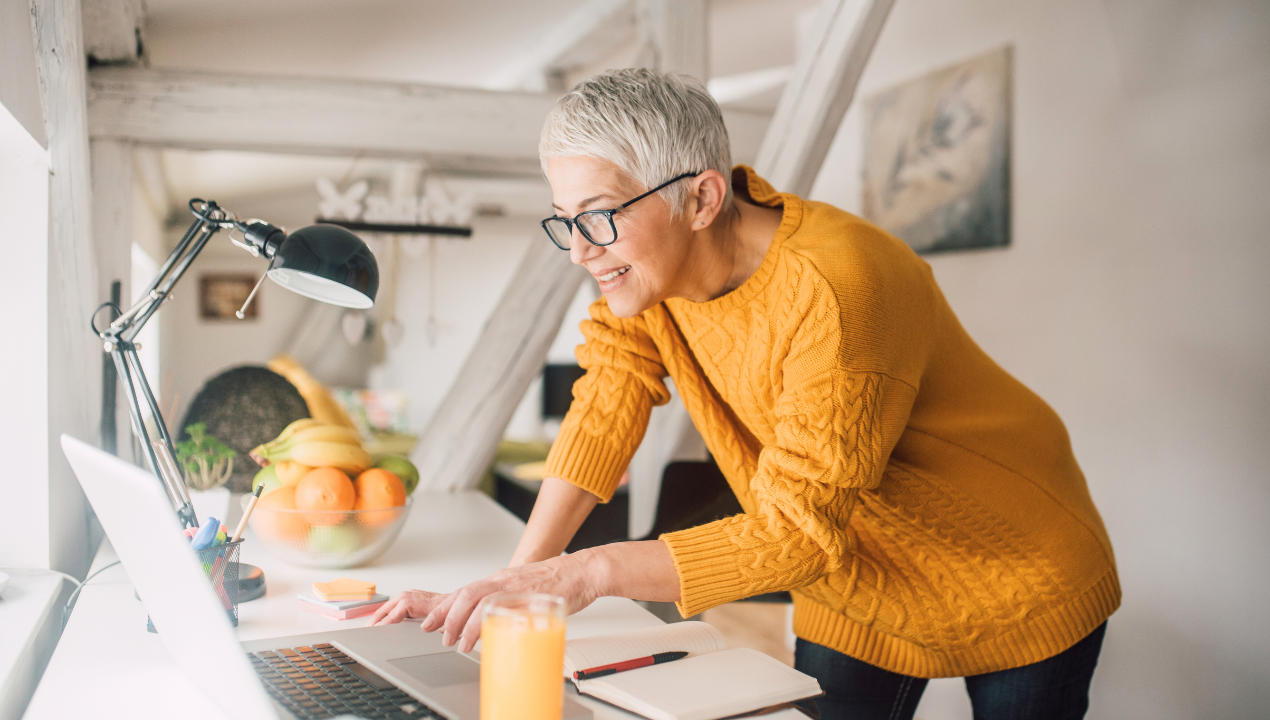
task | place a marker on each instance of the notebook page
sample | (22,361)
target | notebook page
(697,638)
(705,687)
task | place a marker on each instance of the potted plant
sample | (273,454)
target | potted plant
(207,464)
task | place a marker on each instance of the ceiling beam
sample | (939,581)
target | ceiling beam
(581,38)
(112,31)
(818,94)
(451,128)
(674,36)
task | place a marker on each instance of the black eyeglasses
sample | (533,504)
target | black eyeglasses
(597,226)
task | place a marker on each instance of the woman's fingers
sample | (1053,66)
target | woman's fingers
(384,609)
(465,602)
(397,614)
(408,604)
(458,615)
(471,631)
(436,618)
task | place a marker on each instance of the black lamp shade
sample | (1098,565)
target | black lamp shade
(327,263)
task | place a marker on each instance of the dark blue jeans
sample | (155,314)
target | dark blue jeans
(1053,689)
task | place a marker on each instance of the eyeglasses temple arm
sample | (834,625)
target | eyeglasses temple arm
(659,187)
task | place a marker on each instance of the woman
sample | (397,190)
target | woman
(923,506)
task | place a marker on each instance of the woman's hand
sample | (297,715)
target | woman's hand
(408,604)
(577,578)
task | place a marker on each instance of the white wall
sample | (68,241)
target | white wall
(24,428)
(19,79)
(470,276)
(1134,299)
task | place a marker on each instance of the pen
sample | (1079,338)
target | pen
(242,524)
(603,670)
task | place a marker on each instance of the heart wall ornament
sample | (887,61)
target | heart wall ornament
(393,333)
(353,324)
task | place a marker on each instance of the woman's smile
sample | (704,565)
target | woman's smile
(611,279)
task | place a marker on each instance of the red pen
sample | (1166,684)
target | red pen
(617,667)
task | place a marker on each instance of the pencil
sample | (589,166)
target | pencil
(242,524)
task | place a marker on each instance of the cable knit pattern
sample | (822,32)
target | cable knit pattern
(923,505)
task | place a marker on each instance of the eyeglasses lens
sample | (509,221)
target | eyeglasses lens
(597,227)
(558,228)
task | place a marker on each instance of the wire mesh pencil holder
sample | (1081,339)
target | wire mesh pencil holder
(220,564)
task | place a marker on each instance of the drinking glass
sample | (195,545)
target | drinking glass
(522,657)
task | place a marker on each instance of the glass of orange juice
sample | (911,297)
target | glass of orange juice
(522,657)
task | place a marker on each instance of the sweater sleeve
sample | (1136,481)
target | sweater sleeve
(611,403)
(834,431)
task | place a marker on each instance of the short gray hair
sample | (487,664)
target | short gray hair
(652,125)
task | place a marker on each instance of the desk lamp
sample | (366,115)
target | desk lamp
(323,262)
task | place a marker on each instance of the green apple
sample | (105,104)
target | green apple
(337,540)
(402,468)
(268,476)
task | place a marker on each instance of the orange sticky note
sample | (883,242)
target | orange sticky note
(343,589)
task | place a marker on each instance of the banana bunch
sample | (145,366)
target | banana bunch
(307,444)
(321,404)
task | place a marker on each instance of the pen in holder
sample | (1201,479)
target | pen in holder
(220,563)
(170,474)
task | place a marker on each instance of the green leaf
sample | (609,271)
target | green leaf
(201,445)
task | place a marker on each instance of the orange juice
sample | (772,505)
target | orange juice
(522,657)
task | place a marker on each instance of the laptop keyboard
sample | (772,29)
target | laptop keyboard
(322,682)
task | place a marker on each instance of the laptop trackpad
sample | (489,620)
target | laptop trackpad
(440,670)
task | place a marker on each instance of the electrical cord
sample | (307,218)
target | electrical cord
(92,319)
(70,602)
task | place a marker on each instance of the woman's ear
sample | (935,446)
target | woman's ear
(707,191)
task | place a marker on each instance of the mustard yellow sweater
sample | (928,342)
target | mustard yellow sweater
(923,506)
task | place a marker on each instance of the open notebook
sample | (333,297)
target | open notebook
(712,682)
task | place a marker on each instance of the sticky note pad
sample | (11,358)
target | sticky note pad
(343,589)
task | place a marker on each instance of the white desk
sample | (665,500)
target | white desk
(108,666)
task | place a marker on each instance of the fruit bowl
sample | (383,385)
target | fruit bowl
(328,539)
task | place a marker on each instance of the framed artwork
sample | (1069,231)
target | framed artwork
(221,296)
(936,166)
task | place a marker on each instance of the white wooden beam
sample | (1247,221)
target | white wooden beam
(112,30)
(148,172)
(739,88)
(112,185)
(112,178)
(463,435)
(674,36)
(74,373)
(451,128)
(817,96)
(580,38)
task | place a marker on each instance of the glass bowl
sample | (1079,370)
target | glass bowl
(328,539)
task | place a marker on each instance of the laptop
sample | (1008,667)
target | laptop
(389,671)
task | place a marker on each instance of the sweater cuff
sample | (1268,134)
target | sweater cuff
(704,559)
(587,461)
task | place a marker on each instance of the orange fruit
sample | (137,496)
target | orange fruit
(378,488)
(281,526)
(327,490)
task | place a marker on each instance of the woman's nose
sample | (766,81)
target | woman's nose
(581,249)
